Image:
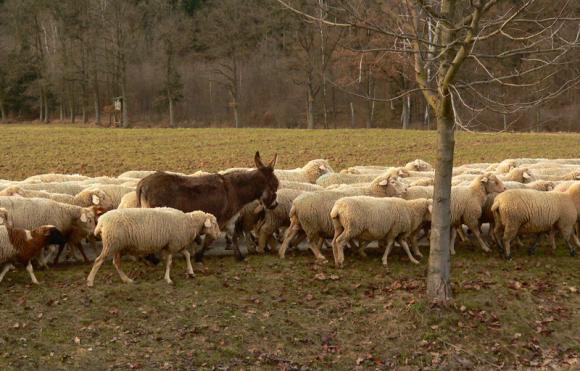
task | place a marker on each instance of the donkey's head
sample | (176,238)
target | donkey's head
(269,180)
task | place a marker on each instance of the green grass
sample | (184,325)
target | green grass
(269,313)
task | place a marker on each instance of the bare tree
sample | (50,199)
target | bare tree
(543,37)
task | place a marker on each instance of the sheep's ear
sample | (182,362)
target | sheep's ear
(274,160)
(322,167)
(1,220)
(430,208)
(525,175)
(550,188)
(96,200)
(401,172)
(207,223)
(83,217)
(384,182)
(484,179)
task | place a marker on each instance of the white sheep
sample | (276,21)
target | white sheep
(530,211)
(55,178)
(310,215)
(145,231)
(384,219)
(70,188)
(21,192)
(309,173)
(309,187)
(22,245)
(129,201)
(109,196)
(418,165)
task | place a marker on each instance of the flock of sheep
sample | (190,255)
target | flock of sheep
(351,208)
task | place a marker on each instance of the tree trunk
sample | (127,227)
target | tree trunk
(352,118)
(309,110)
(61,112)
(40,107)
(171,122)
(46,109)
(97,109)
(406,114)
(439,271)
(2,111)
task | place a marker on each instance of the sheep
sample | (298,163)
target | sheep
(418,165)
(108,196)
(572,175)
(4,217)
(365,170)
(508,164)
(467,205)
(246,221)
(378,187)
(309,173)
(384,220)
(288,184)
(129,201)
(520,174)
(530,211)
(146,231)
(420,181)
(275,218)
(55,178)
(105,180)
(416,192)
(22,245)
(70,188)
(310,213)
(140,174)
(21,192)
(73,221)
(564,185)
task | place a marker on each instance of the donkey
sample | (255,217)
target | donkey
(221,195)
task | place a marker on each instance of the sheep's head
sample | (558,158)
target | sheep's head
(543,185)
(574,175)
(491,183)
(389,186)
(506,165)
(317,168)
(350,170)
(13,191)
(398,172)
(521,174)
(87,220)
(418,165)
(211,227)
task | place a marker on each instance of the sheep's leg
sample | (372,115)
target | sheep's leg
(290,234)
(168,261)
(30,271)
(199,254)
(96,266)
(60,249)
(552,238)
(576,241)
(532,249)
(315,246)
(452,241)
(403,243)
(80,248)
(338,248)
(362,247)
(415,247)
(5,270)
(188,262)
(474,227)
(509,234)
(461,234)
(388,248)
(117,264)
(237,253)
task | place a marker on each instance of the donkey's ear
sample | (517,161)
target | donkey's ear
(274,160)
(258,160)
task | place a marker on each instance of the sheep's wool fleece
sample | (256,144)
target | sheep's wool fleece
(371,218)
(143,231)
(7,251)
(535,211)
(31,213)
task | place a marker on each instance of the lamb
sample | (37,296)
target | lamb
(384,220)
(309,173)
(146,231)
(276,218)
(310,214)
(530,211)
(55,178)
(21,192)
(22,245)
(129,201)
(74,222)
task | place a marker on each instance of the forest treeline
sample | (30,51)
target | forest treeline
(251,63)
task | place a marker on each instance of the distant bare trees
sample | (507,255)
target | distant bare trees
(226,62)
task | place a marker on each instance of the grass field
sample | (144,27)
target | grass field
(268,313)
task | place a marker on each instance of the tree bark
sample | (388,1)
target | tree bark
(97,109)
(406,114)
(171,122)
(352,118)
(439,271)
(40,107)
(46,109)
(309,110)
(2,111)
